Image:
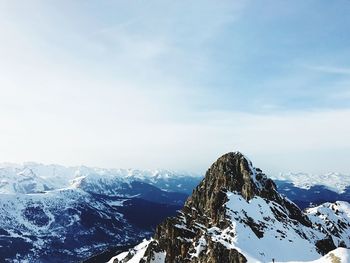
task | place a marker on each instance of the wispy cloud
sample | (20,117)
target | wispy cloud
(172,84)
(330,69)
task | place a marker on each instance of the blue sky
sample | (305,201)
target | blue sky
(174,84)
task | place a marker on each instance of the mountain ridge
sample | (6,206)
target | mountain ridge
(334,181)
(35,177)
(236,215)
(46,216)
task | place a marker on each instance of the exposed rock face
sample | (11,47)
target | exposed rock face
(235,208)
(234,172)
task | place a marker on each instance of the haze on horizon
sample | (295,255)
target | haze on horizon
(166,84)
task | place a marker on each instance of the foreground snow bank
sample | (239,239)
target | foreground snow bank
(137,253)
(339,255)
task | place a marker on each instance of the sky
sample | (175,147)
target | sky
(176,84)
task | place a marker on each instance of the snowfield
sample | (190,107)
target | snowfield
(338,255)
(137,253)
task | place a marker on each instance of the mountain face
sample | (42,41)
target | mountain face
(51,213)
(236,214)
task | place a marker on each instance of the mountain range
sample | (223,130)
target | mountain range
(53,213)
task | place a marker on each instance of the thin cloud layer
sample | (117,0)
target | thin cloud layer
(172,85)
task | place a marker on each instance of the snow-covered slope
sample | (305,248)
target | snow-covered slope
(52,213)
(236,215)
(267,231)
(338,255)
(333,219)
(137,253)
(70,225)
(59,226)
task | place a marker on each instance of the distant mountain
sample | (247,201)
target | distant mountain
(313,196)
(52,213)
(236,215)
(335,182)
(68,225)
(35,178)
(311,189)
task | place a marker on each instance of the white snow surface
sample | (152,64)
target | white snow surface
(338,255)
(336,182)
(137,253)
(333,217)
(282,240)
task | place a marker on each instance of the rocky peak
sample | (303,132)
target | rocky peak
(234,212)
(232,172)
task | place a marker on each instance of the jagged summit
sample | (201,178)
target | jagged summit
(236,215)
(234,172)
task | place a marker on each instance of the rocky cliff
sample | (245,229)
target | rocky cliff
(236,215)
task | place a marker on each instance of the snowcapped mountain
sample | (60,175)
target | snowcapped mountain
(40,226)
(309,189)
(70,225)
(52,213)
(236,215)
(33,178)
(335,182)
(30,178)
